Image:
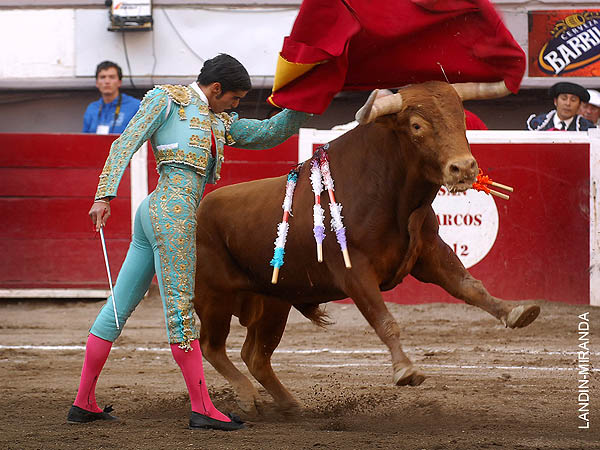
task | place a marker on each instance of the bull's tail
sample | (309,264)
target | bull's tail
(314,312)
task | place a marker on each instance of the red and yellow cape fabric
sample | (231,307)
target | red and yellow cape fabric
(340,45)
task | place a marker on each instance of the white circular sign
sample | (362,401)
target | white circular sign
(468,223)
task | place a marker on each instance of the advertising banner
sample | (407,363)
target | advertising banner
(564,43)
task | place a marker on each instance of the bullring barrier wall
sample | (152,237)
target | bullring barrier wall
(543,243)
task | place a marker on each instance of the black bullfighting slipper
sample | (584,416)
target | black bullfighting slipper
(79,415)
(198,420)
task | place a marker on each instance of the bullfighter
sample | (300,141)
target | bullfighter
(188,128)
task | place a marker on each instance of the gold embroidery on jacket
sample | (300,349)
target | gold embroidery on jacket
(200,124)
(220,135)
(199,142)
(205,124)
(202,108)
(197,160)
(178,93)
(195,123)
(226,119)
(194,141)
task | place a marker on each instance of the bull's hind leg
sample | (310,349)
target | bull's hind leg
(215,320)
(365,292)
(438,264)
(262,339)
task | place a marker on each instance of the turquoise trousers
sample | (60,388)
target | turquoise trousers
(164,243)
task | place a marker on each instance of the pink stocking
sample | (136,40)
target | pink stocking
(96,353)
(190,363)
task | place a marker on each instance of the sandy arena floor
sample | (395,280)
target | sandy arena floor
(488,387)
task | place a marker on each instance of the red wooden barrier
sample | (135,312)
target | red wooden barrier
(48,184)
(542,248)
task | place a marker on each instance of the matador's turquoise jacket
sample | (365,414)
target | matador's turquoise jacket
(178,122)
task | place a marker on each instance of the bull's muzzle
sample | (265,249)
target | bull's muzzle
(460,174)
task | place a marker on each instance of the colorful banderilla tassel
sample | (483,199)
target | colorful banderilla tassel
(483,181)
(282,228)
(334,208)
(318,213)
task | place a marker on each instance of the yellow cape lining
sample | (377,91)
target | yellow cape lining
(287,71)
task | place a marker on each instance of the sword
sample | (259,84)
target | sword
(112,294)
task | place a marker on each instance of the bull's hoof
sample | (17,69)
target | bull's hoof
(290,409)
(521,316)
(409,376)
(250,408)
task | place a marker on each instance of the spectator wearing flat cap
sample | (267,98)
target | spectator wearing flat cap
(591,109)
(567,99)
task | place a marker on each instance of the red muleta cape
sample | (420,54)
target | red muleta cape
(340,45)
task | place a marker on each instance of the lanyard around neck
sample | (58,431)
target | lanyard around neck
(117,111)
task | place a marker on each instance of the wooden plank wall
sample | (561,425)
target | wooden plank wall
(48,184)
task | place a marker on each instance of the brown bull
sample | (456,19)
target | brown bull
(387,172)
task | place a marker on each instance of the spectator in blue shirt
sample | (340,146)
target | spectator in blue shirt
(113,111)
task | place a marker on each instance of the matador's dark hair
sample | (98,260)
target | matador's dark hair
(226,70)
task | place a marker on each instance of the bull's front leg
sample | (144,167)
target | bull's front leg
(438,264)
(365,292)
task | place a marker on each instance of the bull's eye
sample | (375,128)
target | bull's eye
(416,126)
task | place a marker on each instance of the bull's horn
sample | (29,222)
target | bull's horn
(383,92)
(378,104)
(362,115)
(481,91)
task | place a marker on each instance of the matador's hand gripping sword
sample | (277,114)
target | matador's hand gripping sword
(112,294)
